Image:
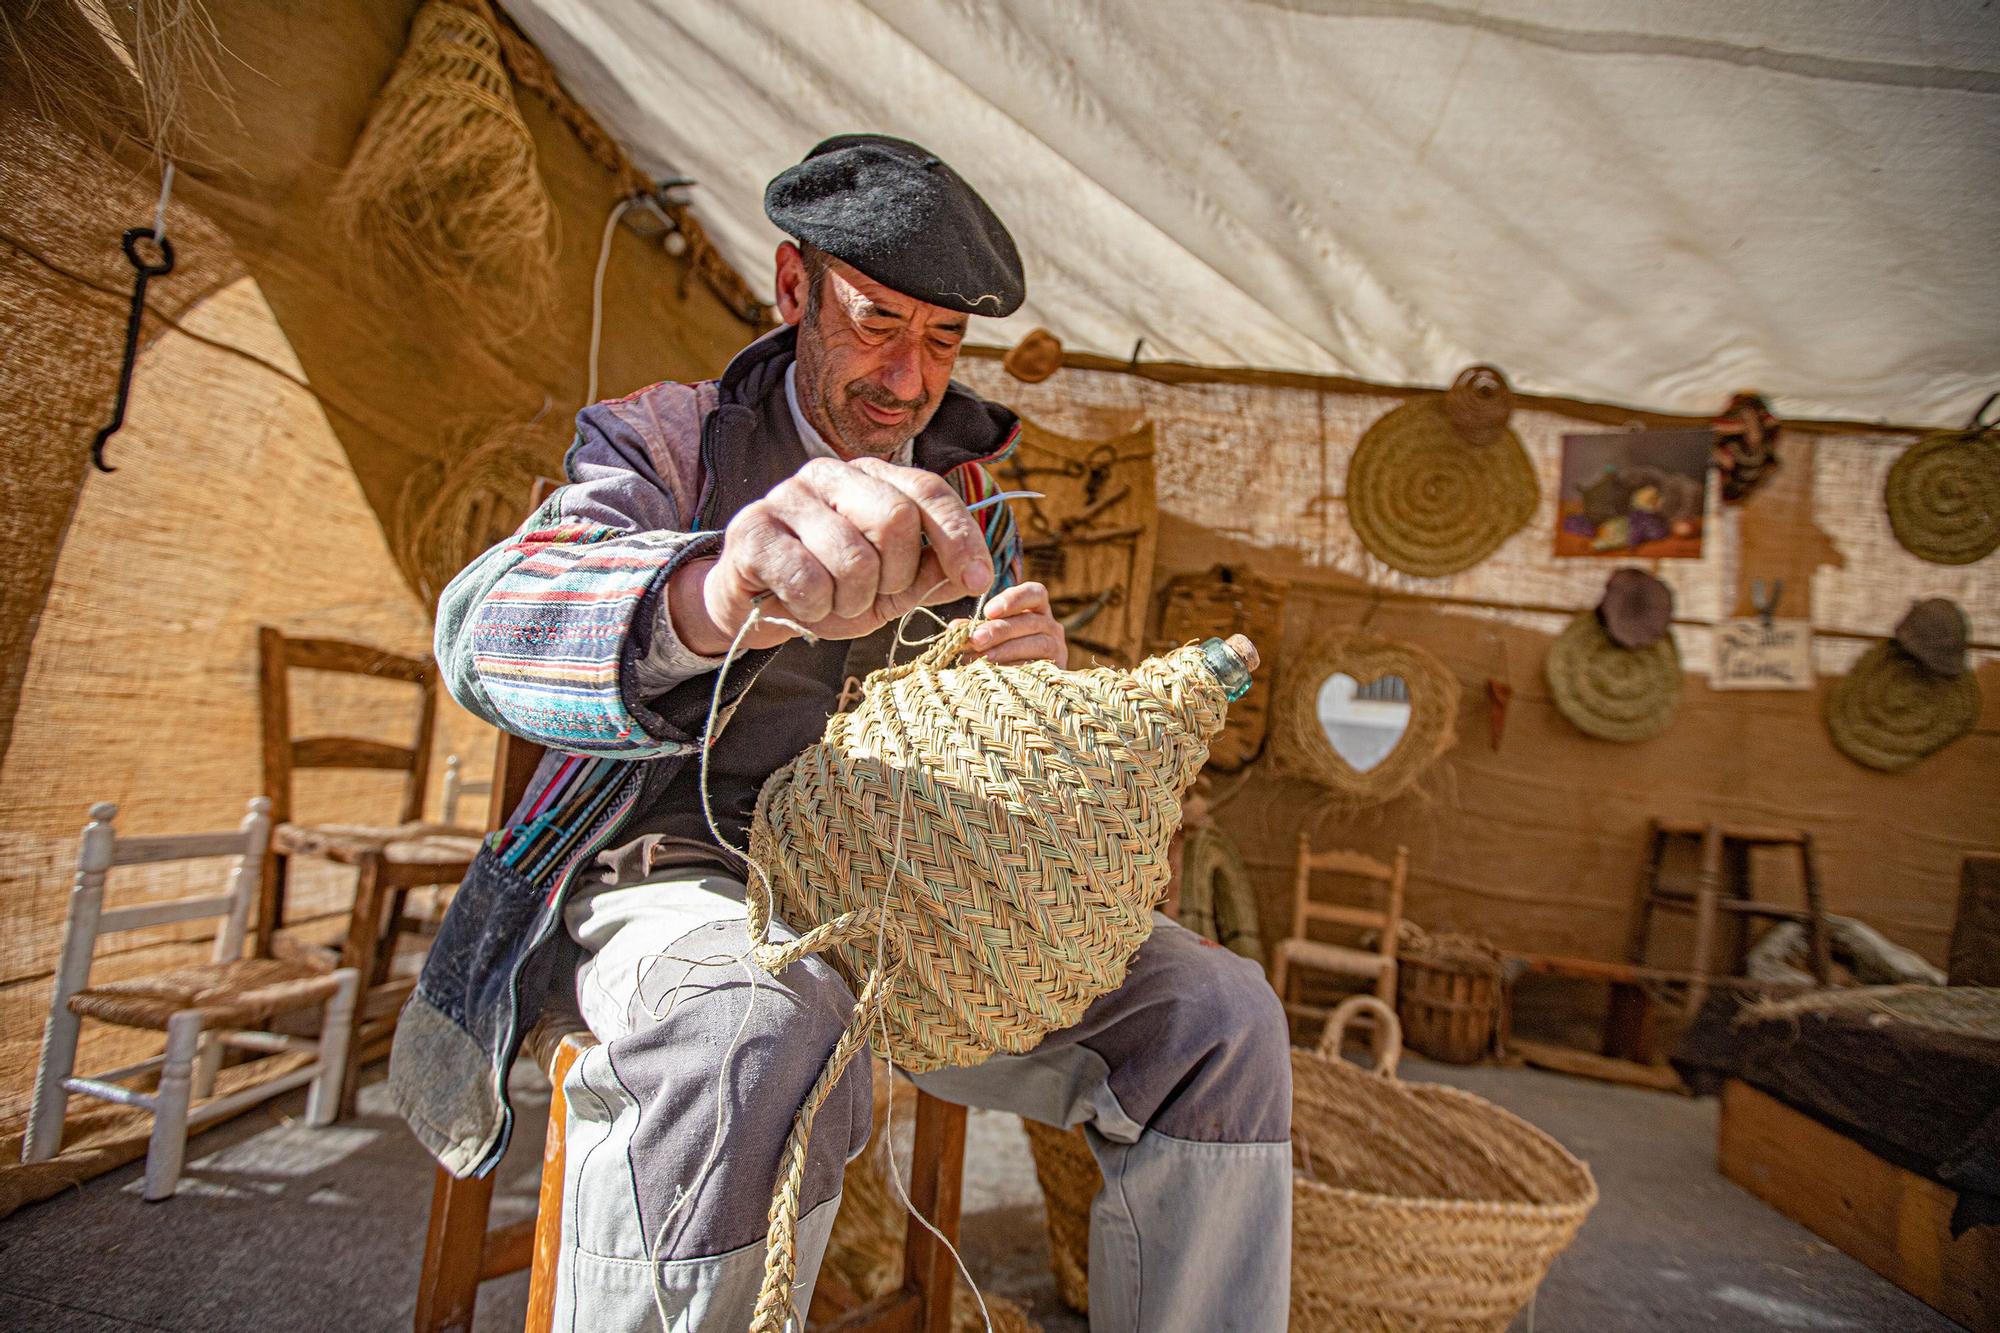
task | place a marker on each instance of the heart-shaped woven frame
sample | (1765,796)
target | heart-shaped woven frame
(1613,693)
(1943,497)
(1426,501)
(1889,711)
(1301,744)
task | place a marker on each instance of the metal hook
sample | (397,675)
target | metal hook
(143,271)
(1766,606)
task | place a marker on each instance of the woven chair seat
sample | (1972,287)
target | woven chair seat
(1336,957)
(245,993)
(415,843)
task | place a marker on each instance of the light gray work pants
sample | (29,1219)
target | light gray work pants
(1181,1077)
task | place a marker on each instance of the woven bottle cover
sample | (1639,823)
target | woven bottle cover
(1943,494)
(1003,831)
(1438,484)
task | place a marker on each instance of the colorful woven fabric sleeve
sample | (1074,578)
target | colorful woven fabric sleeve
(540,634)
(1003,538)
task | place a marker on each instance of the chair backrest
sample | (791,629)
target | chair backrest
(1386,879)
(456,788)
(277,656)
(101,850)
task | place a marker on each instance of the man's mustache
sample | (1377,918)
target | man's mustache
(873,393)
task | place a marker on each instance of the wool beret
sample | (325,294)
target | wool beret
(897,213)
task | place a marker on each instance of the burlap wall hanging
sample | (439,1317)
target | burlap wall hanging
(441,197)
(1910,695)
(1943,494)
(1438,484)
(1300,741)
(1091,537)
(1615,672)
(1228,601)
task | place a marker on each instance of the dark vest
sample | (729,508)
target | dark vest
(749,446)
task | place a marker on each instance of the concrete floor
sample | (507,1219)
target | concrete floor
(280,1227)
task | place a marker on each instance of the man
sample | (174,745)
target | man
(822,480)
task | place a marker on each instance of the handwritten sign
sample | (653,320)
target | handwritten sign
(1750,655)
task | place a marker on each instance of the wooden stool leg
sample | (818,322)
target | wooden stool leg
(1821,947)
(1704,917)
(359,953)
(937,1175)
(453,1250)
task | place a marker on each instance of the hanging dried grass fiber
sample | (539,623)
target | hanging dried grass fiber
(1613,693)
(451,511)
(442,195)
(1438,484)
(1943,496)
(1420,1207)
(1890,711)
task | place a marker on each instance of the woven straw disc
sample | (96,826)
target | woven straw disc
(1943,497)
(1428,503)
(1613,693)
(1302,746)
(1889,712)
(1036,809)
(1218,901)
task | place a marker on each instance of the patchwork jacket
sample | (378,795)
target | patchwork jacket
(548,635)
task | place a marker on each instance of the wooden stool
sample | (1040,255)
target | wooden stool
(1724,884)
(460,1253)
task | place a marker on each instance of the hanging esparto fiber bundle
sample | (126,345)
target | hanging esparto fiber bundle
(1943,494)
(442,195)
(1438,484)
(978,848)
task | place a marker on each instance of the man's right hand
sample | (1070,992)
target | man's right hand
(840,548)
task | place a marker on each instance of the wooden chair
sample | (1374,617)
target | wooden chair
(1302,950)
(389,860)
(456,788)
(227,1001)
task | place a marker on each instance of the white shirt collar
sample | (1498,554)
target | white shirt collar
(816,447)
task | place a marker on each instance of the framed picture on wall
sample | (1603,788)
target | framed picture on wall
(1636,494)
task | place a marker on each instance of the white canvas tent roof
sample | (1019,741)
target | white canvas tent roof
(1652,205)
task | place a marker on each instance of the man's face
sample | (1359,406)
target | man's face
(872,363)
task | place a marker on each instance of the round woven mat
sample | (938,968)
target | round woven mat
(1889,712)
(1613,693)
(1943,497)
(1425,501)
(1218,901)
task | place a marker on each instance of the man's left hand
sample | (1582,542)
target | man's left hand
(1020,627)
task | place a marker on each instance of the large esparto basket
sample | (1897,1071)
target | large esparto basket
(1420,1207)
(1414,1206)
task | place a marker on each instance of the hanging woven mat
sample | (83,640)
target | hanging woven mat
(1889,711)
(1438,484)
(1943,494)
(1613,693)
(1301,743)
(1218,901)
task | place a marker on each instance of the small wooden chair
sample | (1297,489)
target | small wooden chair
(227,1001)
(456,788)
(1301,950)
(389,860)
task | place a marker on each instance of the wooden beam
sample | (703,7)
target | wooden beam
(1589,1064)
(350,752)
(1895,1221)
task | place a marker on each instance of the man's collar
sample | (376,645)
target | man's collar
(809,436)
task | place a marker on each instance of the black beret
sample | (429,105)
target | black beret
(897,213)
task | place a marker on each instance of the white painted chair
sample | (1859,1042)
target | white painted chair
(229,1001)
(457,788)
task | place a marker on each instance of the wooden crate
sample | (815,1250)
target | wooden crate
(1893,1220)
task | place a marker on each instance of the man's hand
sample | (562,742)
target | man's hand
(839,546)
(1020,627)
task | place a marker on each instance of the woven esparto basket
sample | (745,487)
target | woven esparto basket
(1419,1207)
(1414,1206)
